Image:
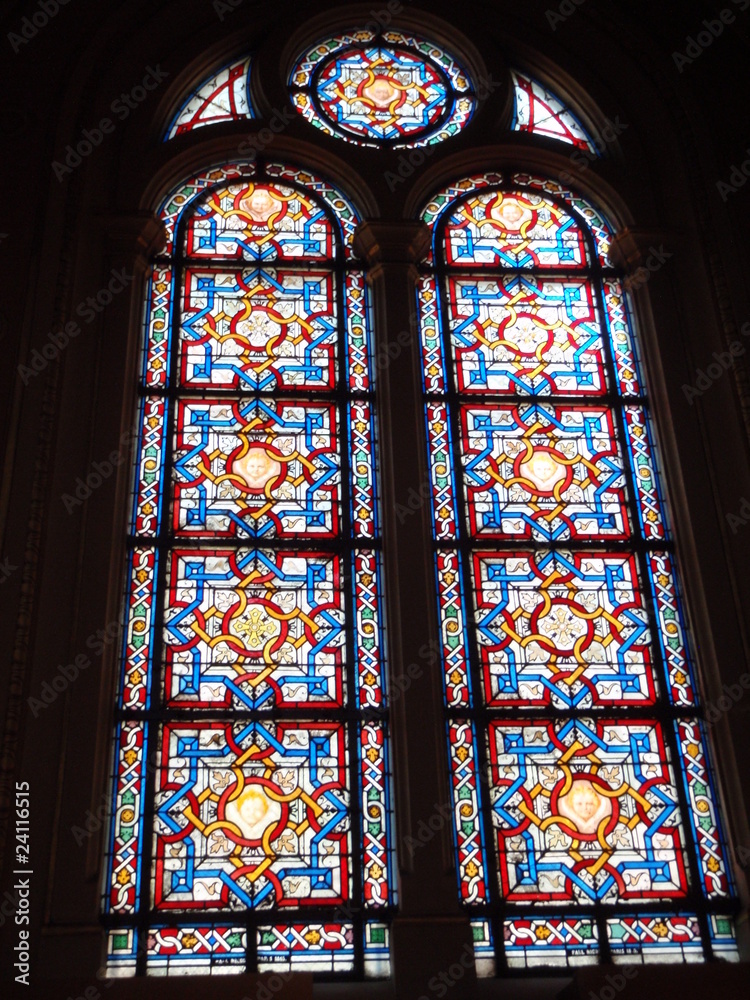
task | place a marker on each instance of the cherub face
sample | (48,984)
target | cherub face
(252,812)
(381,92)
(253,808)
(543,471)
(256,468)
(510,214)
(257,463)
(544,467)
(584,802)
(260,206)
(584,807)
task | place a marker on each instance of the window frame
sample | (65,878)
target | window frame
(344,546)
(105,219)
(665,713)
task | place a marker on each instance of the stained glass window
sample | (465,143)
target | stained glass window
(224,96)
(586,819)
(539,110)
(252,825)
(394,89)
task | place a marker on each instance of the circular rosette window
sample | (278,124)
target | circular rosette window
(391,89)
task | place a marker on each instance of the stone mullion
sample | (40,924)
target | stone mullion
(429,921)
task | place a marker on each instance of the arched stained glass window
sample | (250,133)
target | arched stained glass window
(538,110)
(587,826)
(223,97)
(251,810)
(373,89)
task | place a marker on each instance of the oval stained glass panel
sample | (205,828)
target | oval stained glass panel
(395,89)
